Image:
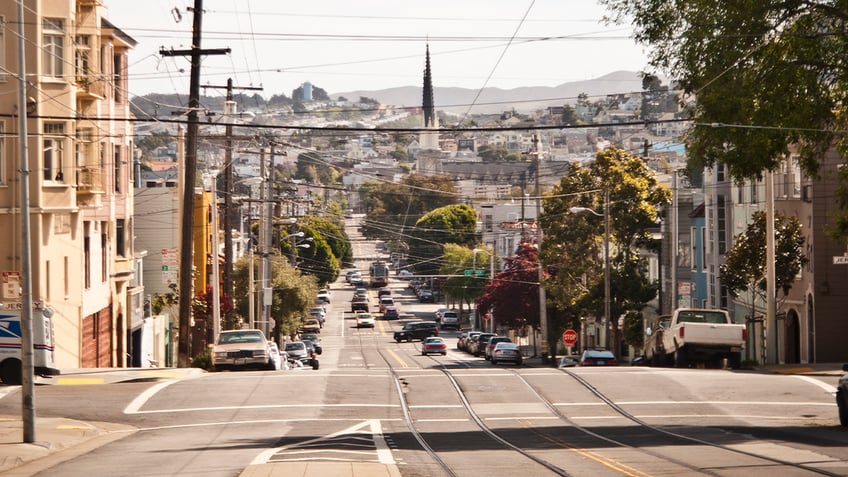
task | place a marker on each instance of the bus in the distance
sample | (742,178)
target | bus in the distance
(379,272)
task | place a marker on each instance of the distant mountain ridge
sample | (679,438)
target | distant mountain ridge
(495,100)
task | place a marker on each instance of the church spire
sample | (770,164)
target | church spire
(429,107)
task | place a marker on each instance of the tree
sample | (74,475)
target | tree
(459,287)
(313,169)
(393,208)
(572,251)
(513,294)
(456,224)
(770,75)
(292,294)
(745,265)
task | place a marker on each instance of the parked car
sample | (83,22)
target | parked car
(323,296)
(364,320)
(312,325)
(315,339)
(569,361)
(450,319)
(842,397)
(598,357)
(391,313)
(416,330)
(479,342)
(434,345)
(465,340)
(490,345)
(506,351)
(296,350)
(359,304)
(242,349)
(275,355)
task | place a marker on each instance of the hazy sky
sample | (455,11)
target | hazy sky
(375,44)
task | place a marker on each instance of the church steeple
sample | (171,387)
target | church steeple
(429,107)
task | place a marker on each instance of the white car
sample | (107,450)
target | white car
(323,295)
(364,320)
(275,355)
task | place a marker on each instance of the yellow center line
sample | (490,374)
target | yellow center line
(79,381)
(398,359)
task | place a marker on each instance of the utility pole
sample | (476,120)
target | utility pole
(190,176)
(27,369)
(229,111)
(543,312)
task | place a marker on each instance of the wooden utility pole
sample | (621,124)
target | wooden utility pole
(229,110)
(190,176)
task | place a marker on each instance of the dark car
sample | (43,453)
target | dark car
(477,346)
(416,330)
(391,313)
(383,292)
(842,397)
(426,296)
(314,339)
(359,304)
(598,357)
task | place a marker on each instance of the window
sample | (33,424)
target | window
(3,66)
(104,254)
(54,152)
(117,85)
(86,256)
(721,225)
(2,148)
(720,172)
(120,237)
(82,58)
(53,44)
(117,168)
(487,220)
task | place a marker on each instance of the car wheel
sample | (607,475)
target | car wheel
(445,353)
(842,404)
(494,362)
(518,363)
(397,340)
(11,372)
(423,354)
(409,339)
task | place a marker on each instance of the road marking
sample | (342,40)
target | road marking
(665,403)
(397,358)
(827,387)
(259,421)
(75,381)
(135,409)
(369,431)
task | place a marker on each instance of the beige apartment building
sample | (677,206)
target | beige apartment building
(80,181)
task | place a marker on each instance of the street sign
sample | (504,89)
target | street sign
(840,260)
(569,337)
(479,273)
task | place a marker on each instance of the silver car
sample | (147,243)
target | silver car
(296,350)
(506,352)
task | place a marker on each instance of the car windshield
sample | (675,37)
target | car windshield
(241,337)
(295,346)
(310,336)
(434,340)
(599,354)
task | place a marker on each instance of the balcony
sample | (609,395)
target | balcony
(90,180)
(90,88)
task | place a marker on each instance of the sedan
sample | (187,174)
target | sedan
(434,345)
(242,349)
(314,339)
(275,355)
(364,320)
(391,313)
(505,351)
(598,357)
(569,361)
(296,350)
(842,397)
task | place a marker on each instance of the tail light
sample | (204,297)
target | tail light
(682,331)
(744,334)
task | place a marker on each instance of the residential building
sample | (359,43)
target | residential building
(80,194)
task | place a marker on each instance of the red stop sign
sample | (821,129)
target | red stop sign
(569,337)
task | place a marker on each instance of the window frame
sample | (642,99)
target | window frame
(53,47)
(53,142)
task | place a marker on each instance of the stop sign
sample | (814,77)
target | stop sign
(569,337)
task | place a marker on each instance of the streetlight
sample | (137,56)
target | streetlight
(605,215)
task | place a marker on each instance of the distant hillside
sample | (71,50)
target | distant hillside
(494,100)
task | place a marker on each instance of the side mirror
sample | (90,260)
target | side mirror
(648,331)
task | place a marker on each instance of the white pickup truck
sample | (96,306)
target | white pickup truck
(692,336)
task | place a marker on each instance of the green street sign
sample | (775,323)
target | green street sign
(481,273)
(468,273)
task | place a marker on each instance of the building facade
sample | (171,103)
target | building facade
(80,195)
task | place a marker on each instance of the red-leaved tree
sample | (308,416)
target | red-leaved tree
(513,295)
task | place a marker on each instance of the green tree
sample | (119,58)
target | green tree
(745,265)
(456,224)
(769,77)
(393,208)
(573,249)
(457,259)
(292,293)
(313,169)
(155,140)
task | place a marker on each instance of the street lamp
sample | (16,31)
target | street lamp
(605,215)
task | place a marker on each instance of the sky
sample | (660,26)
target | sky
(351,45)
